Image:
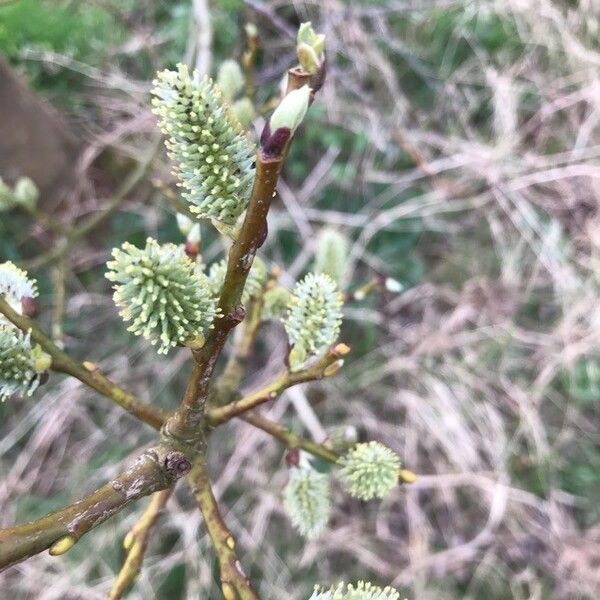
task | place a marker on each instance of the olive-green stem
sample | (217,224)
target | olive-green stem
(155,469)
(288,438)
(234,583)
(187,422)
(136,542)
(87,372)
(322,368)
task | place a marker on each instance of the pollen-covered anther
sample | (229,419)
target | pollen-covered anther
(162,293)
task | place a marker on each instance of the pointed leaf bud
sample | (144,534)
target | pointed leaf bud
(310,47)
(291,110)
(308,58)
(26,193)
(184,223)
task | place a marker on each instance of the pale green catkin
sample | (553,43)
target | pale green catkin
(307,500)
(314,317)
(362,590)
(15,284)
(213,157)
(275,302)
(255,282)
(369,470)
(162,293)
(20,362)
(331,257)
(230,79)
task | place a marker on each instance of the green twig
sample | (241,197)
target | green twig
(156,469)
(87,372)
(234,583)
(136,542)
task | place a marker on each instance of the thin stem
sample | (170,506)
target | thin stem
(136,542)
(87,372)
(189,418)
(289,439)
(154,470)
(325,367)
(234,583)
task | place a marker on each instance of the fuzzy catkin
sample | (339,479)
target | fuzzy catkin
(255,281)
(370,470)
(307,500)
(213,157)
(313,318)
(15,284)
(162,293)
(362,590)
(20,362)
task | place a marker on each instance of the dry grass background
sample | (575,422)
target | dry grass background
(468,374)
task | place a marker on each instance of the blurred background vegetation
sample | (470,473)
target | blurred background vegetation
(456,144)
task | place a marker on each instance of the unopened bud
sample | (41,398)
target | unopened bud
(393,285)
(291,110)
(194,234)
(191,250)
(128,540)
(341,349)
(196,343)
(42,362)
(407,476)
(30,307)
(310,47)
(333,368)
(184,223)
(308,58)
(292,458)
(26,193)
(251,30)
(64,544)
(230,79)
(243,110)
